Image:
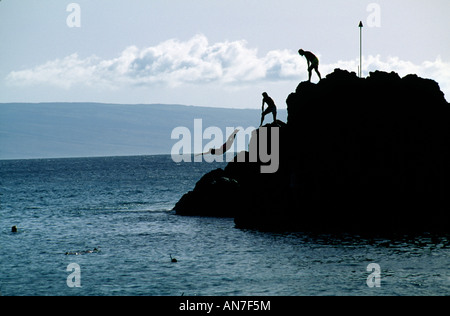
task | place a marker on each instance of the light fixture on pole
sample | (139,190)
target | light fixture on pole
(360,48)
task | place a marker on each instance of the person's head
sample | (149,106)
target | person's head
(264,94)
(301,52)
(213,151)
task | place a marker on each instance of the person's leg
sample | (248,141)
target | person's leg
(310,72)
(317,72)
(262,119)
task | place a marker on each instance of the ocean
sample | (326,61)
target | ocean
(105,226)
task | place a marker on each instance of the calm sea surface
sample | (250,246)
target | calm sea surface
(121,206)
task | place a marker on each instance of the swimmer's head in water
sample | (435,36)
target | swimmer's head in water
(213,151)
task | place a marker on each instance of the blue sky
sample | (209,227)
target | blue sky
(209,52)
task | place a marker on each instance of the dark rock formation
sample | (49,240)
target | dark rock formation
(357,155)
(212,196)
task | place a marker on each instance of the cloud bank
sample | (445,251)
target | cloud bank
(171,62)
(196,61)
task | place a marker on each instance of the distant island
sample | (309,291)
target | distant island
(61,129)
(360,155)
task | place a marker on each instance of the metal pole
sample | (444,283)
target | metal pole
(360,48)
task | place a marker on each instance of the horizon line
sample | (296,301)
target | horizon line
(135,104)
(107,156)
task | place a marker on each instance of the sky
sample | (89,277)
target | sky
(208,52)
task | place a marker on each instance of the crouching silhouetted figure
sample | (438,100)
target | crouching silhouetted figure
(313,63)
(271,108)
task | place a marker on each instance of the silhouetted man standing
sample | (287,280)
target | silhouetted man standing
(271,107)
(313,62)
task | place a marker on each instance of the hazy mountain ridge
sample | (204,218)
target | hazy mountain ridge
(53,130)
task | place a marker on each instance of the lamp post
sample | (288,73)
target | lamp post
(360,48)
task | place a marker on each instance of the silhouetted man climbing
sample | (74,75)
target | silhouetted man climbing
(271,107)
(313,62)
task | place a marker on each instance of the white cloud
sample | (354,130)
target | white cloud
(171,62)
(60,72)
(196,61)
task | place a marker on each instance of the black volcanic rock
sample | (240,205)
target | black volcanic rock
(210,196)
(224,193)
(356,155)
